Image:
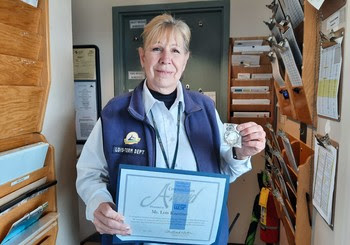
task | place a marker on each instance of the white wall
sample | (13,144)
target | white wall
(339,131)
(246,18)
(92,24)
(58,125)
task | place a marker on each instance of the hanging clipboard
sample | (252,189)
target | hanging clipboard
(87,87)
(324,181)
(330,75)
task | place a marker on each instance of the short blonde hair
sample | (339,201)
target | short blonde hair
(165,24)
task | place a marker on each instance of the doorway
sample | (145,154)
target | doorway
(207,68)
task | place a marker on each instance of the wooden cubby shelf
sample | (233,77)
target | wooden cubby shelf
(24,87)
(299,231)
(264,67)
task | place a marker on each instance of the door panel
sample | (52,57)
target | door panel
(207,66)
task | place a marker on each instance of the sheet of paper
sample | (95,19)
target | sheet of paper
(246,60)
(316,3)
(261,76)
(33,232)
(251,48)
(250,101)
(136,75)
(293,9)
(284,170)
(243,76)
(277,12)
(137,24)
(325,162)
(33,3)
(22,190)
(22,161)
(276,70)
(334,22)
(328,83)
(289,35)
(84,64)
(168,206)
(85,108)
(275,31)
(28,219)
(289,150)
(291,67)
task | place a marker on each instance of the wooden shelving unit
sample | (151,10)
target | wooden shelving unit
(263,68)
(301,104)
(24,87)
(299,231)
(301,107)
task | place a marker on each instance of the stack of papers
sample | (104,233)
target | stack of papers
(250,101)
(250,46)
(262,76)
(246,60)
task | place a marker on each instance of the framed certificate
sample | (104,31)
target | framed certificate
(87,89)
(170,206)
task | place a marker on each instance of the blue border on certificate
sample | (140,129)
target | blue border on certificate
(116,240)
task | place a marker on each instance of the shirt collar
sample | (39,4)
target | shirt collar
(149,100)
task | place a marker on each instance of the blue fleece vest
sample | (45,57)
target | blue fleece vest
(126,113)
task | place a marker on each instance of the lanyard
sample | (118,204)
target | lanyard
(161,142)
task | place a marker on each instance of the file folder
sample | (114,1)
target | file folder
(21,161)
(27,220)
(19,192)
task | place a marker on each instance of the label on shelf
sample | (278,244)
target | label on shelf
(250,89)
(257,114)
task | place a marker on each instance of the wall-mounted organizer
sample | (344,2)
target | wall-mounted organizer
(294,209)
(298,50)
(24,87)
(251,94)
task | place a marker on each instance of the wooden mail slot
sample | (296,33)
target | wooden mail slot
(20,43)
(20,110)
(19,71)
(21,15)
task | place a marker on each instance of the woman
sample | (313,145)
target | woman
(159,124)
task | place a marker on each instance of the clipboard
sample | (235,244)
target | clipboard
(325,175)
(329,91)
(329,7)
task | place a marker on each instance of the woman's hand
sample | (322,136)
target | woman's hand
(253,139)
(108,221)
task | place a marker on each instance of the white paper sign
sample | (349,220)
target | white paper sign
(137,24)
(136,75)
(84,64)
(86,108)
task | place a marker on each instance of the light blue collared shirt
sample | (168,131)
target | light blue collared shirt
(166,121)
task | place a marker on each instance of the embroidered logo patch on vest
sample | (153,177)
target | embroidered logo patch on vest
(132,138)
